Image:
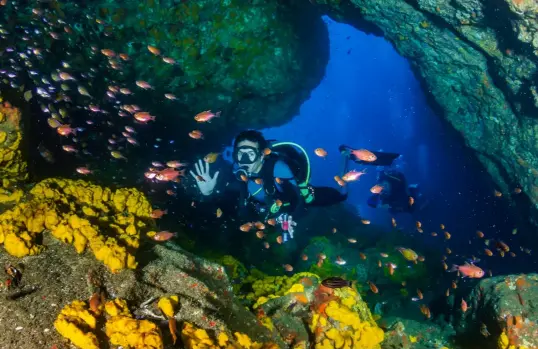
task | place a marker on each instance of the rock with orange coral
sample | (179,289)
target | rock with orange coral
(502,306)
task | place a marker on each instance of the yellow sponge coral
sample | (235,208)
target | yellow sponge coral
(117,307)
(198,338)
(109,228)
(131,333)
(350,323)
(76,323)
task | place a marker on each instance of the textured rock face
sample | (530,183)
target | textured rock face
(254,60)
(477,59)
(501,313)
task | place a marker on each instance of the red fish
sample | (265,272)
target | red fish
(469,270)
(158,213)
(144,116)
(464,305)
(352,175)
(364,155)
(206,116)
(169,174)
(163,236)
(66,130)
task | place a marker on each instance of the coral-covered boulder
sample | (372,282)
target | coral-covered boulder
(502,313)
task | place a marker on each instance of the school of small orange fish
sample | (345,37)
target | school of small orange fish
(55,92)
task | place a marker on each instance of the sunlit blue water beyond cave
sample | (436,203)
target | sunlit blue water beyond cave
(370,98)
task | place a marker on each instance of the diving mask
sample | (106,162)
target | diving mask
(246,155)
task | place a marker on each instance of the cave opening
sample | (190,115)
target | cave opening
(370,98)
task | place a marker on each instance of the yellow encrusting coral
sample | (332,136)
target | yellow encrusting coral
(110,227)
(131,333)
(198,338)
(345,322)
(76,323)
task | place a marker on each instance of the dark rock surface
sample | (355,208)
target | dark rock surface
(59,275)
(501,313)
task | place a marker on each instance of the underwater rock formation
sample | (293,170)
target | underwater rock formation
(502,313)
(256,61)
(13,168)
(478,60)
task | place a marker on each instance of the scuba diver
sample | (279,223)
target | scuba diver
(392,190)
(272,179)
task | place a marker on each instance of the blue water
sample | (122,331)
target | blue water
(370,98)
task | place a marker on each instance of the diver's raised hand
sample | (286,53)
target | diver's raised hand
(205,182)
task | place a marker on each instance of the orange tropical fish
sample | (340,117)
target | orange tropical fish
(288,267)
(206,116)
(373,287)
(154,50)
(339,181)
(447,235)
(469,270)
(364,155)
(108,53)
(411,201)
(488,252)
(322,153)
(365,221)
(279,239)
(425,311)
(479,234)
(419,294)
(158,213)
(260,234)
(362,255)
(353,175)
(163,236)
(196,134)
(271,221)
(211,157)
(442,226)
(464,305)
(259,225)
(267,151)
(376,189)
(246,227)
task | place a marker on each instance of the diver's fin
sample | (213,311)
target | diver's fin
(383,159)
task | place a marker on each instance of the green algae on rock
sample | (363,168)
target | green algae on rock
(256,61)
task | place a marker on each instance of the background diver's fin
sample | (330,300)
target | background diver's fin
(383,159)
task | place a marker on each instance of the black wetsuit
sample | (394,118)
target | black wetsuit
(396,193)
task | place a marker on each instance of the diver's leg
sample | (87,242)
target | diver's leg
(327,196)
